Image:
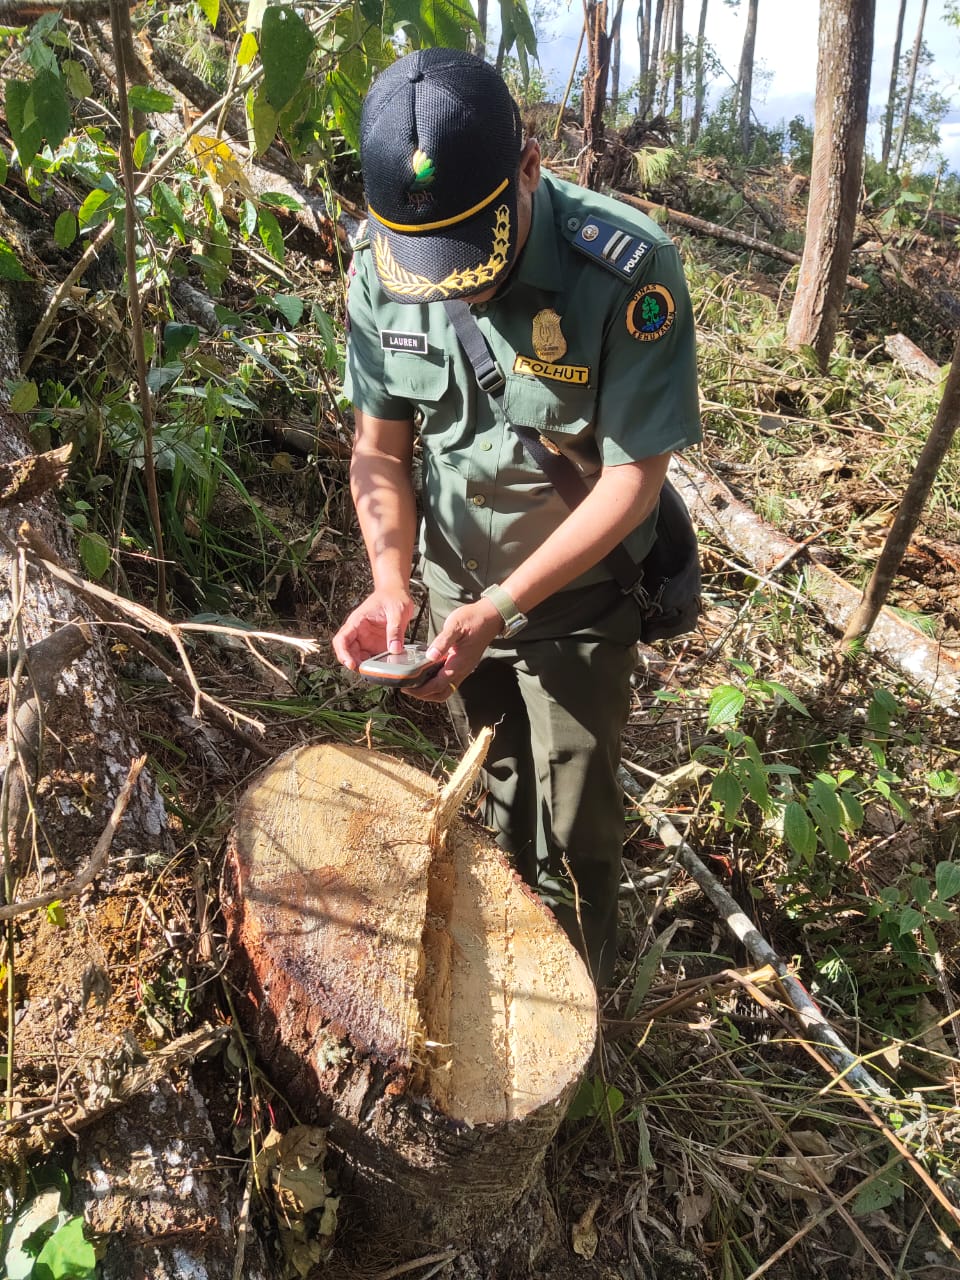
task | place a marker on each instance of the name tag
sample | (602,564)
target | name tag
(576,373)
(397,340)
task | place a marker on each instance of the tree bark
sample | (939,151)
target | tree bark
(745,77)
(892,91)
(843,82)
(911,85)
(594,91)
(699,89)
(407,989)
(910,509)
(678,63)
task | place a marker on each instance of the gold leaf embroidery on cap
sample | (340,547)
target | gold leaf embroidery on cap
(409,284)
(548,340)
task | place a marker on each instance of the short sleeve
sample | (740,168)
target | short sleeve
(647,401)
(364,383)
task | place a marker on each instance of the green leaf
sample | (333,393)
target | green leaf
(4,166)
(270,233)
(853,814)
(726,703)
(277,200)
(51,107)
(879,1193)
(910,919)
(56,914)
(289,306)
(248,49)
(943,782)
(67,1255)
(95,208)
(286,43)
(727,792)
(169,207)
(10,268)
(95,555)
(211,10)
(920,888)
(799,831)
(24,396)
(22,120)
(177,338)
(78,82)
(263,119)
(65,229)
(142,97)
(947,880)
(142,148)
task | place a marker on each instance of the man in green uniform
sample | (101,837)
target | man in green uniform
(583,306)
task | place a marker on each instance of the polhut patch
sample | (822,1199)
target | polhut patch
(548,340)
(579,374)
(399,340)
(650,313)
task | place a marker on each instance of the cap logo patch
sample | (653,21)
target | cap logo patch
(408,284)
(650,313)
(424,171)
(548,340)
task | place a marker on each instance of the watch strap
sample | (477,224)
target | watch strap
(506,606)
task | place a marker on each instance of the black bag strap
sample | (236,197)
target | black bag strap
(558,468)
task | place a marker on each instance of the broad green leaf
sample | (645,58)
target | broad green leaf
(78,82)
(910,919)
(211,10)
(286,43)
(177,338)
(799,832)
(289,306)
(943,782)
(938,910)
(4,166)
(22,120)
(38,1219)
(51,107)
(24,397)
(95,555)
(879,1193)
(142,148)
(143,98)
(65,229)
(726,703)
(727,792)
(271,234)
(824,805)
(263,120)
(10,268)
(277,200)
(92,212)
(56,914)
(853,814)
(920,888)
(947,880)
(248,49)
(789,697)
(67,1255)
(169,207)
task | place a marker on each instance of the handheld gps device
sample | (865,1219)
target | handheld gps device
(407,669)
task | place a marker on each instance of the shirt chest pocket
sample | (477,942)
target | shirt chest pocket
(563,412)
(422,380)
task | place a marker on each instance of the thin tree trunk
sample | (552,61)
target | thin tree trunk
(910,509)
(615,34)
(482,24)
(911,85)
(594,91)
(699,89)
(653,72)
(843,83)
(892,91)
(644,39)
(678,64)
(663,67)
(745,77)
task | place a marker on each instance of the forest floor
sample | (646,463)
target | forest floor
(707,1141)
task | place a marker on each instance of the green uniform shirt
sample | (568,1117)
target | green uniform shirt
(594,332)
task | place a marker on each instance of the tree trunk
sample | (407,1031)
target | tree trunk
(664,77)
(408,989)
(843,83)
(615,41)
(482,24)
(594,91)
(644,41)
(892,91)
(910,509)
(699,88)
(678,63)
(745,77)
(911,85)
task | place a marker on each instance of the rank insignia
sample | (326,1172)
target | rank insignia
(650,313)
(548,340)
(610,246)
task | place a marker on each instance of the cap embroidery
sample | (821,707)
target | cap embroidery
(403,283)
(424,171)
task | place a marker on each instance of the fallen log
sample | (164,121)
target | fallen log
(407,988)
(726,234)
(906,353)
(898,643)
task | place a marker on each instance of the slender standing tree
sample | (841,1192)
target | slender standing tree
(594,90)
(699,88)
(843,87)
(745,76)
(892,91)
(678,62)
(911,85)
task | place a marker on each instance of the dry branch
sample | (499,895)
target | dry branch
(896,642)
(722,233)
(906,353)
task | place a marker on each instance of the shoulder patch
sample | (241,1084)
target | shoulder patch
(650,313)
(610,246)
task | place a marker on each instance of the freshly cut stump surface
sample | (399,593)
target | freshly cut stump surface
(409,988)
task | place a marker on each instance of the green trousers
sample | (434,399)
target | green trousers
(557,696)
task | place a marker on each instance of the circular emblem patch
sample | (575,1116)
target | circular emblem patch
(650,313)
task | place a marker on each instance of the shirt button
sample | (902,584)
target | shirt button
(573,224)
(471,565)
(486,446)
(479,500)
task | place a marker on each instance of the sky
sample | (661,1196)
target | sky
(786,55)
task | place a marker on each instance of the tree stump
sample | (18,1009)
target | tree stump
(405,986)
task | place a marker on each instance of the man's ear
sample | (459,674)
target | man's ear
(530,165)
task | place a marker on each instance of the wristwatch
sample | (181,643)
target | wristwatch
(513,619)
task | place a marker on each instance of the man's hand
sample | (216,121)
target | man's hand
(465,635)
(376,625)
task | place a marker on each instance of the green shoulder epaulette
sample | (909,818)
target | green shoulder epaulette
(619,251)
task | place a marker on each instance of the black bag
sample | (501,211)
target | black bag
(668,588)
